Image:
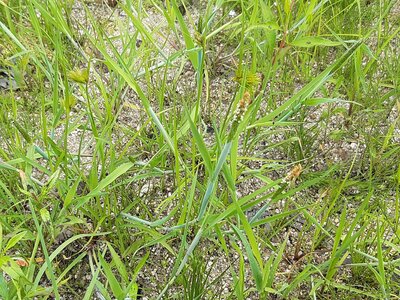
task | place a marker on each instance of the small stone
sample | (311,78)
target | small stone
(232,13)
(144,190)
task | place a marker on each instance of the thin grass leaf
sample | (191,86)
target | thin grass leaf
(312,41)
(125,74)
(13,241)
(118,263)
(76,261)
(243,219)
(111,279)
(190,44)
(119,171)
(286,109)
(319,101)
(71,193)
(156,223)
(59,250)
(200,145)
(92,285)
(381,263)
(255,268)
(276,263)
(189,252)
(213,180)
(336,242)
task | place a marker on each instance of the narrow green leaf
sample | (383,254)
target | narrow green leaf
(268,26)
(200,145)
(189,252)
(112,280)
(311,41)
(257,274)
(92,285)
(338,237)
(381,262)
(119,171)
(319,101)
(186,36)
(59,250)
(293,104)
(277,261)
(71,193)
(213,180)
(118,263)
(14,240)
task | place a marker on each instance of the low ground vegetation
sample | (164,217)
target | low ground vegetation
(241,149)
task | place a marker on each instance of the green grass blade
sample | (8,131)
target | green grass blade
(119,171)
(287,108)
(212,182)
(255,268)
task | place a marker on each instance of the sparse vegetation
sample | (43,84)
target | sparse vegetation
(221,149)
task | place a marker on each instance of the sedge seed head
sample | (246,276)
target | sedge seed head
(294,173)
(79,75)
(251,81)
(68,102)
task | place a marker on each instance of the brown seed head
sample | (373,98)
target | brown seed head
(294,173)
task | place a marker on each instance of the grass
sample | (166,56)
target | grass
(239,149)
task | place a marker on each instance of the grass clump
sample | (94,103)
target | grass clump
(214,150)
